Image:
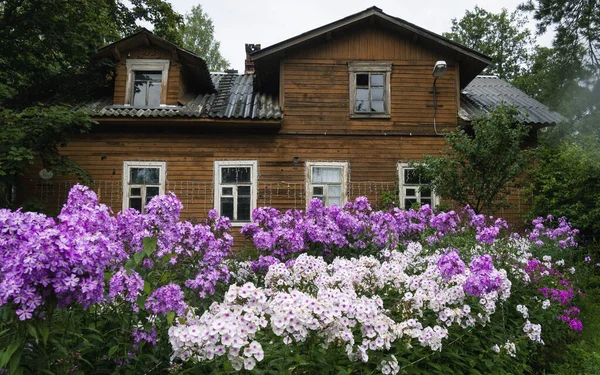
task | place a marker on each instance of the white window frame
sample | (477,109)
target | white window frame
(127,165)
(368,67)
(146,65)
(309,185)
(253,164)
(435,200)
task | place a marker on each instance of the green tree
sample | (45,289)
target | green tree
(45,49)
(577,24)
(480,161)
(502,36)
(575,84)
(198,37)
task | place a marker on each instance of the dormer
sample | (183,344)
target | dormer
(154,73)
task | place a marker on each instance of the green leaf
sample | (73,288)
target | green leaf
(113,350)
(15,362)
(43,330)
(32,332)
(150,245)
(170,317)
(10,350)
(137,258)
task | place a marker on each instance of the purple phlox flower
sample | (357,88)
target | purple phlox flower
(450,264)
(263,263)
(140,335)
(483,278)
(126,284)
(166,298)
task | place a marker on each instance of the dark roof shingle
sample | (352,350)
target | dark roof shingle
(234,98)
(484,93)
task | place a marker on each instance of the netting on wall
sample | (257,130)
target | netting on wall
(198,196)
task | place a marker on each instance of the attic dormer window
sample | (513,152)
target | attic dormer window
(147,89)
(146,82)
(370,89)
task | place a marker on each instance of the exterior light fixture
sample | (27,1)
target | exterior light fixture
(439,69)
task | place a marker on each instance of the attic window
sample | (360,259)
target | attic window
(146,82)
(147,89)
(370,89)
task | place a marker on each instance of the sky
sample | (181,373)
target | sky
(267,22)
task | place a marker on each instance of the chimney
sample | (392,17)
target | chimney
(249,63)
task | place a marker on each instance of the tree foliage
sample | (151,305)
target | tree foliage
(566,181)
(45,49)
(198,37)
(480,163)
(501,36)
(577,24)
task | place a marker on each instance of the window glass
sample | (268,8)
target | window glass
(144,176)
(326,175)
(142,182)
(377,80)
(147,88)
(370,88)
(362,79)
(235,174)
(227,207)
(237,199)
(414,189)
(327,183)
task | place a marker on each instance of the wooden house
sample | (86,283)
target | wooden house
(334,113)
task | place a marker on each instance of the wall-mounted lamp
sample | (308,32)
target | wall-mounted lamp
(296,160)
(439,69)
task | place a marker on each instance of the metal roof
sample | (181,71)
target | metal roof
(484,93)
(234,98)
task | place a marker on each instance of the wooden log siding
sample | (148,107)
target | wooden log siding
(190,159)
(281,183)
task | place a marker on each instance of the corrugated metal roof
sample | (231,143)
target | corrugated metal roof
(487,92)
(234,99)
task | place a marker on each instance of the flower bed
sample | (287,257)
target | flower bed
(349,289)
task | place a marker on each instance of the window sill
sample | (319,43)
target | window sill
(370,115)
(239,224)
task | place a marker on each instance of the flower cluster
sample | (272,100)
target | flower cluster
(340,304)
(570,317)
(563,233)
(67,257)
(165,299)
(355,227)
(180,241)
(140,335)
(126,284)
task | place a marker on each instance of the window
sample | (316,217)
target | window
(235,189)
(370,89)
(414,189)
(146,82)
(327,181)
(142,180)
(147,89)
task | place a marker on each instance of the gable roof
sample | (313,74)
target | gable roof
(472,62)
(485,93)
(234,98)
(144,37)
